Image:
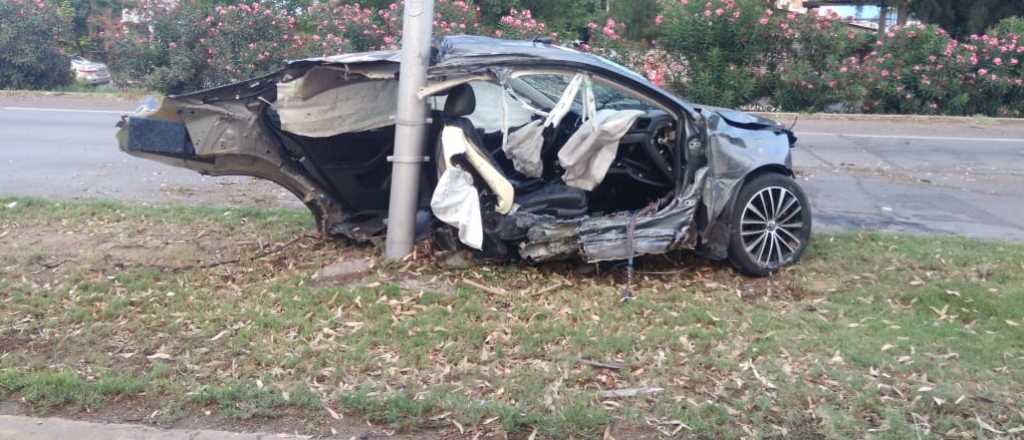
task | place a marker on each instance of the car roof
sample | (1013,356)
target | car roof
(463,48)
(458,50)
(472,52)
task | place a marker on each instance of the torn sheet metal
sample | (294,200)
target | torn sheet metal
(548,239)
(328,101)
(590,151)
(380,56)
(668,228)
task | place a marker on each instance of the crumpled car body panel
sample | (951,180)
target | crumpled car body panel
(258,128)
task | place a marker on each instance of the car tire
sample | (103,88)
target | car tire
(770,225)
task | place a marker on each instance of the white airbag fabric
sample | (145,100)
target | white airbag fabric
(590,151)
(524,145)
(457,203)
(324,103)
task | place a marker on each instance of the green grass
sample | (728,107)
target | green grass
(275,222)
(871,335)
(49,389)
(78,87)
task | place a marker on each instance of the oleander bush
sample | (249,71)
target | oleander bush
(31,56)
(720,52)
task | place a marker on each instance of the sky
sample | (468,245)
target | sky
(859,12)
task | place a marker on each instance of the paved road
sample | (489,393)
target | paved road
(964,177)
(64,147)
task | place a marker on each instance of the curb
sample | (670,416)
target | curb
(788,117)
(30,428)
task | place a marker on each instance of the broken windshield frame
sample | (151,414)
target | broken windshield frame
(551,84)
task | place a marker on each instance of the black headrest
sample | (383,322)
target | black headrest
(461,102)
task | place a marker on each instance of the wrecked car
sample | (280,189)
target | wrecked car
(534,151)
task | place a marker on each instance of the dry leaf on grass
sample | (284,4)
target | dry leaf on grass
(334,415)
(630,392)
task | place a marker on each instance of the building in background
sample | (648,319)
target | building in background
(858,14)
(791,5)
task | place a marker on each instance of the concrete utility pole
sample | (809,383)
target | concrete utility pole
(411,128)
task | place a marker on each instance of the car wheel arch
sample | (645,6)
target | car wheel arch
(715,239)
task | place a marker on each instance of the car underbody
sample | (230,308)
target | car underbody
(534,152)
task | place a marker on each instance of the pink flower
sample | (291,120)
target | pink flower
(707,12)
(719,12)
(763,21)
(982,72)
(658,20)
(998,61)
(885,73)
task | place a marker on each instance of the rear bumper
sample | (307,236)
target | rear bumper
(92,78)
(155,136)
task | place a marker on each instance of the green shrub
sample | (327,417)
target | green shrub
(163,52)
(922,70)
(30,55)
(738,51)
(1008,27)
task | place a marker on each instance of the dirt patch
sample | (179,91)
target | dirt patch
(49,252)
(10,343)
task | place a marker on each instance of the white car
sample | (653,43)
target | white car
(90,72)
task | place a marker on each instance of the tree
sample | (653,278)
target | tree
(638,16)
(89,20)
(30,56)
(962,18)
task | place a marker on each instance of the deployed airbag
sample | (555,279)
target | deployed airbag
(457,203)
(524,145)
(589,152)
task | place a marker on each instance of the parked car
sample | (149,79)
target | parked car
(535,152)
(90,72)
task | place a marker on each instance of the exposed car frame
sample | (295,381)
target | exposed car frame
(725,169)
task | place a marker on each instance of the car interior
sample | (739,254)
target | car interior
(355,168)
(641,173)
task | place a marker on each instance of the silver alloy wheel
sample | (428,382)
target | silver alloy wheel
(770,226)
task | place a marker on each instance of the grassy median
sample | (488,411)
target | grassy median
(213,313)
